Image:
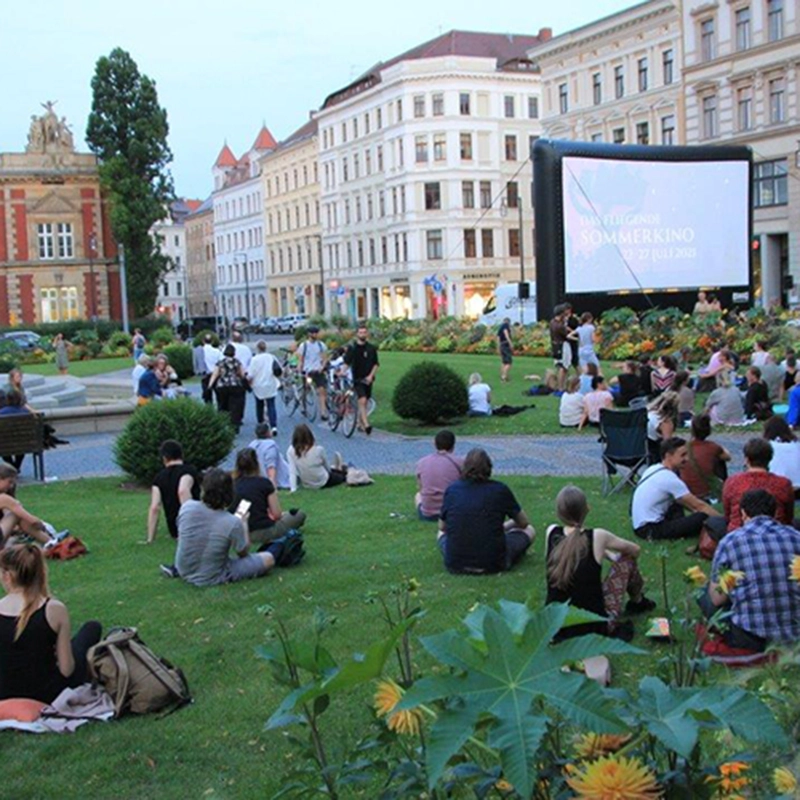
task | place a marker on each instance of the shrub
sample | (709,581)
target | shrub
(200,338)
(206,435)
(163,336)
(430,392)
(180,357)
(120,339)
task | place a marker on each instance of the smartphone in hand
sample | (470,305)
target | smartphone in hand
(243,508)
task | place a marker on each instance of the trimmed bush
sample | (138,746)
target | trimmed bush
(206,435)
(180,358)
(430,393)
(163,336)
(200,338)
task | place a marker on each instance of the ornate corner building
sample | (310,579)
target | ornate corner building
(58,260)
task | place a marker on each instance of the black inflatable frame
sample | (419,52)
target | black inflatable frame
(549,217)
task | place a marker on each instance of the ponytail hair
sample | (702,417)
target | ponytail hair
(25,564)
(572,508)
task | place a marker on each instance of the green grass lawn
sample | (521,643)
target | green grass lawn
(82,369)
(217,747)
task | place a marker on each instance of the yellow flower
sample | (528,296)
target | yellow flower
(594,745)
(794,569)
(729,580)
(696,576)
(386,698)
(785,782)
(503,786)
(612,778)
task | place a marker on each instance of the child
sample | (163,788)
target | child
(586,334)
(572,406)
(590,372)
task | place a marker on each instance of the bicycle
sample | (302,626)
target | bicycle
(288,390)
(306,394)
(342,407)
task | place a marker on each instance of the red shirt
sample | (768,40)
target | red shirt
(779,487)
(696,473)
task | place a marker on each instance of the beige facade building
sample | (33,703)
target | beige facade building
(57,255)
(200,260)
(295,275)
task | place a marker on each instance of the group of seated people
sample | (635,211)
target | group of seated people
(154,377)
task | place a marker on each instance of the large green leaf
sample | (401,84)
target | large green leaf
(666,712)
(451,730)
(519,762)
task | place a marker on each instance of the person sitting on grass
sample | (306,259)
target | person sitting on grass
(435,472)
(176,483)
(149,386)
(480,396)
(548,386)
(660,498)
(590,372)
(686,397)
(724,404)
(482,528)
(572,405)
(598,398)
(759,560)
(267,520)
(273,465)
(308,464)
(575,564)
(793,414)
(15,520)
(207,532)
(662,378)
(662,419)
(39,658)
(785,451)
(706,467)
(627,386)
(757,404)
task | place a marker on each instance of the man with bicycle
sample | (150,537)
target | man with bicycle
(362,358)
(312,355)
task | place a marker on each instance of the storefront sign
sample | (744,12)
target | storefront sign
(481,276)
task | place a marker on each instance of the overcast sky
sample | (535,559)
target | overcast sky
(223,68)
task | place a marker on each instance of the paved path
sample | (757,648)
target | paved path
(91,454)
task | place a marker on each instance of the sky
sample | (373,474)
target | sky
(223,68)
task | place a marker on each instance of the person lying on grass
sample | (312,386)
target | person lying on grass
(15,520)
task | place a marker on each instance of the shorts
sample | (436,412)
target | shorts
(243,569)
(363,389)
(318,378)
(506,354)
(561,356)
(425,517)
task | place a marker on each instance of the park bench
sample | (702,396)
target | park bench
(24,434)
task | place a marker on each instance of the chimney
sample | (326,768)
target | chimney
(545,34)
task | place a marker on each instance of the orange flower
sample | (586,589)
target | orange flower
(612,778)
(729,580)
(731,779)
(594,745)
(794,569)
(647,346)
(386,698)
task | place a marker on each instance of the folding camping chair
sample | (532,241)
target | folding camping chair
(623,435)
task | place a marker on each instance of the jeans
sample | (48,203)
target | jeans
(674,525)
(272,415)
(734,636)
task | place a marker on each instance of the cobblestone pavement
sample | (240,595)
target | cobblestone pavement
(388,453)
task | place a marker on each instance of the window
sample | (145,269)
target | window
(358,208)
(563,98)
(366,122)
(486,194)
(777,100)
(400,110)
(45,237)
(346,211)
(372,252)
(619,81)
(360,251)
(770,183)
(597,89)
(434,244)
(344,169)
(433,196)
(775,20)
(463,104)
(381,203)
(508,106)
(378,118)
(384,251)
(511,147)
(369,205)
(355,128)
(512,194)
(533,108)
(368,161)
(618,136)
(742,18)
(437,101)
(465,141)
(470,246)
(668,63)
(344,133)
(744,108)
(439,147)
(708,48)
(419,105)
(710,126)
(59,303)
(513,242)
(65,245)
(642,133)
(487,243)
(597,137)
(668,129)
(356,169)
(641,68)
(421,149)
(468,194)
(379,153)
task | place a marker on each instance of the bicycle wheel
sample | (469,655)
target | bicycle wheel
(350,416)
(334,404)
(289,397)
(309,401)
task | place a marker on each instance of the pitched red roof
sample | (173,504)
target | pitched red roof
(225,158)
(193,205)
(265,140)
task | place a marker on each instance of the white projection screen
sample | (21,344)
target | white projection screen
(632,225)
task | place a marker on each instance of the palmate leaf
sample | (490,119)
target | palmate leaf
(502,669)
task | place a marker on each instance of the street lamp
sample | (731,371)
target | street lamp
(321,273)
(246,285)
(92,254)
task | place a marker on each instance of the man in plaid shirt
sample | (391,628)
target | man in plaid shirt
(765,602)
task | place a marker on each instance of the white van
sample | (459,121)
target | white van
(505,302)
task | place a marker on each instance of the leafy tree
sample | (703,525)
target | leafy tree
(127,130)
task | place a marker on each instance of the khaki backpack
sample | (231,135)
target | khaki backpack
(137,680)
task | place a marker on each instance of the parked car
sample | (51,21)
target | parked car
(269,325)
(292,321)
(25,340)
(193,325)
(239,324)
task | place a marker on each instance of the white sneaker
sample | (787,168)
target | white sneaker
(338,461)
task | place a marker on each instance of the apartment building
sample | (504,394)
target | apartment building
(424,168)
(200,260)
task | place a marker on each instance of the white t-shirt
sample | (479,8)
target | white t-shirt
(243,353)
(262,376)
(657,490)
(312,353)
(212,356)
(570,410)
(786,461)
(479,398)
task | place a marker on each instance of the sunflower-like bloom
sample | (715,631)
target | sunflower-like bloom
(731,779)
(782,778)
(503,785)
(794,569)
(387,697)
(594,745)
(612,778)
(729,580)
(696,576)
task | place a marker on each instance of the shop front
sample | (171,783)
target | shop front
(479,289)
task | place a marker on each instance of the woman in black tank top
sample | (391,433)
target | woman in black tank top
(37,658)
(574,569)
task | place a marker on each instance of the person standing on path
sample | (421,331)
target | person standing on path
(263,374)
(138,344)
(558,344)
(312,355)
(62,357)
(505,347)
(228,380)
(362,358)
